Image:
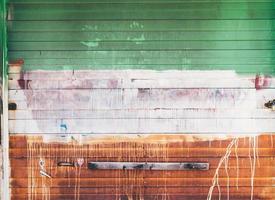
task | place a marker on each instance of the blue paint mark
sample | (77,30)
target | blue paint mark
(63,126)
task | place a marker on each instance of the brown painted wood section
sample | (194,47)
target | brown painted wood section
(147,197)
(83,183)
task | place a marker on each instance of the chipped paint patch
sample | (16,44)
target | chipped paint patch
(90,44)
(90,28)
(262,81)
(137,40)
(135,25)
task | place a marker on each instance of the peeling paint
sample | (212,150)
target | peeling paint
(90,44)
(262,81)
(135,25)
(137,40)
(90,28)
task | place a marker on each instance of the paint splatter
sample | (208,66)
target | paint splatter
(262,81)
(137,40)
(90,28)
(63,127)
(270,104)
(136,25)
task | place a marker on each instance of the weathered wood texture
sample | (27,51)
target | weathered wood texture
(79,182)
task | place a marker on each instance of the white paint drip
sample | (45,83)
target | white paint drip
(224,159)
(237,163)
(137,40)
(253,145)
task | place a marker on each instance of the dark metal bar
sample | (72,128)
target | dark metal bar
(148,166)
(66,164)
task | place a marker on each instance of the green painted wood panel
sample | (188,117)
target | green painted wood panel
(143,25)
(136,11)
(146,34)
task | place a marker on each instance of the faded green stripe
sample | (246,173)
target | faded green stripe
(142,25)
(137,36)
(141,44)
(204,54)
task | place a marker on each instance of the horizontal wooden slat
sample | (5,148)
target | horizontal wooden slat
(189,64)
(151,6)
(140,45)
(135,36)
(150,190)
(112,74)
(212,14)
(141,11)
(241,69)
(195,182)
(144,98)
(118,126)
(148,197)
(142,114)
(113,197)
(131,152)
(122,82)
(143,140)
(81,79)
(70,172)
(264,168)
(141,1)
(100,105)
(177,54)
(196,63)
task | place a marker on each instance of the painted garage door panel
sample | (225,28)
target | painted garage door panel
(141,81)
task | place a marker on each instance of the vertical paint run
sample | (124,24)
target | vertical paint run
(233,146)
